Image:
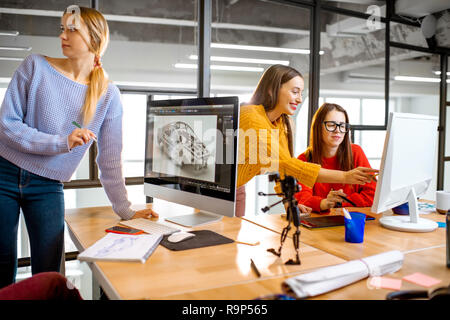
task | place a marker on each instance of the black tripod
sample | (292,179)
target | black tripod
(289,188)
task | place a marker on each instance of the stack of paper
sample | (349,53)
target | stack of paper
(334,277)
(122,247)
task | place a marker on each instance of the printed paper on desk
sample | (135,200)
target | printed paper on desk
(122,247)
(334,277)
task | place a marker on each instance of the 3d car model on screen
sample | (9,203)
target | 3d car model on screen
(181,144)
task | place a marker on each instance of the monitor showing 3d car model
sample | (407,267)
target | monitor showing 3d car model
(191,157)
(407,168)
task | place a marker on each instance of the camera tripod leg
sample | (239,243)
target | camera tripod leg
(283,238)
(296,240)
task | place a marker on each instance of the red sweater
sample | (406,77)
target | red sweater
(361,195)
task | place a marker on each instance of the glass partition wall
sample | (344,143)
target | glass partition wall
(352,75)
(243,47)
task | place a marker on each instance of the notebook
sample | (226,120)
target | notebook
(122,247)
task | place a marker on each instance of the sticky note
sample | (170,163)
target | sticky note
(385,283)
(422,279)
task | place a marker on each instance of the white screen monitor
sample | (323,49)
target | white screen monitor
(190,156)
(406,172)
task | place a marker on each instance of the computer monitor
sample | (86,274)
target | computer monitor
(406,171)
(191,156)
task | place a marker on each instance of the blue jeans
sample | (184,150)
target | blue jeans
(42,204)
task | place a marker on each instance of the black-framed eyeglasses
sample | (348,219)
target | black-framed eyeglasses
(332,125)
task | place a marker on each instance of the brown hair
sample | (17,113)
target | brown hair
(314,151)
(266,93)
(98,82)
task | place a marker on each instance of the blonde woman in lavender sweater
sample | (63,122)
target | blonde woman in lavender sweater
(40,147)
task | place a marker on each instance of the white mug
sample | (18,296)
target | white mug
(442,201)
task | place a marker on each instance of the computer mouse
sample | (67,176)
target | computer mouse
(180,236)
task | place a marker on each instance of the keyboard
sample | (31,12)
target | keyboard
(149,226)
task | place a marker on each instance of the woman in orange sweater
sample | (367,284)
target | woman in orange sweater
(266,139)
(331,148)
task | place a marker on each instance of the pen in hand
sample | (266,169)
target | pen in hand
(348,200)
(80,127)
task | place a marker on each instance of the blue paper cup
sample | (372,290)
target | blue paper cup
(354,228)
(402,209)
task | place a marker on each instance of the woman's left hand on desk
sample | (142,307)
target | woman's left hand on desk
(304,209)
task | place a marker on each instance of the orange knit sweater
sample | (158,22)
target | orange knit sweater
(263,147)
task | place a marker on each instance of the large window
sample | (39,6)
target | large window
(352,64)
(415,87)
(134,110)
(148,40)
(352,67)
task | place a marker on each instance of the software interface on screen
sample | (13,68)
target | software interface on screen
(190,148)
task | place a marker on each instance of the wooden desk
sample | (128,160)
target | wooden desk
(428,261)
(377,239)
(167,274)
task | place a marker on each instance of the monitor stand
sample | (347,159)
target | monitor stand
(195,219)
(411,223)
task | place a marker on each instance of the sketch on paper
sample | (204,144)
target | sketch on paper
(117,246)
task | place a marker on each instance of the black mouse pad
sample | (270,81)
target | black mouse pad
(203,238)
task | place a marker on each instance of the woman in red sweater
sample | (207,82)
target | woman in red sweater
(331,148)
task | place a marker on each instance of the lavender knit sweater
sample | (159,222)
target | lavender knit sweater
(36,119)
